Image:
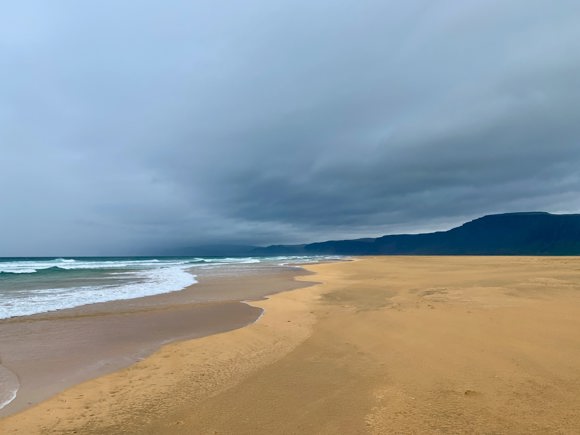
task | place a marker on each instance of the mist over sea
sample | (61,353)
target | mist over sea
(38,285)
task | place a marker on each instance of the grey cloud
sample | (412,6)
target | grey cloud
(132,127)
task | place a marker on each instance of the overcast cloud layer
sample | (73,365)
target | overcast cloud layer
(137,126)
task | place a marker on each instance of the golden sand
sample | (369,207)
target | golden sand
(383,345)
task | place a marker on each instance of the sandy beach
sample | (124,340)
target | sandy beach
(47,353)
(381,345)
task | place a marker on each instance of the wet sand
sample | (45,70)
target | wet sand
(50,352)
(382,345)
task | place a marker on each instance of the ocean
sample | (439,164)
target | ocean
(39,285)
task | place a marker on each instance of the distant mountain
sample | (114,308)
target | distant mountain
(530,233)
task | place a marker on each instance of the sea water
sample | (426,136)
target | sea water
(39,285)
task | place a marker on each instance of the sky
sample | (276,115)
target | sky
(137,127)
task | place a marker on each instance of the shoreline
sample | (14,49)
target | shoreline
(379,345)
(109,336)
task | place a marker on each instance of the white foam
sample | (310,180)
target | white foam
(65,260)
(9,383)
(18,270)
(32,266)
(151,282)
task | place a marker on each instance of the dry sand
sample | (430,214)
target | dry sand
(383,345)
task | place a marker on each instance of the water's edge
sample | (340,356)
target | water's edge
(9,384)
(11,381)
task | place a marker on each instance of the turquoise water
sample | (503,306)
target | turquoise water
(37,285)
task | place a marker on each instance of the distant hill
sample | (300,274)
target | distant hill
(530,233)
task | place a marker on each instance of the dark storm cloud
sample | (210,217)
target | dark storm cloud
(127,126)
